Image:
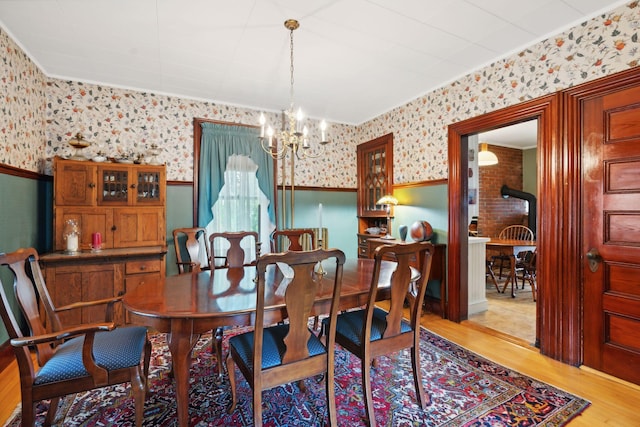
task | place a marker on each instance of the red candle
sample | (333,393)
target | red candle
(96,240)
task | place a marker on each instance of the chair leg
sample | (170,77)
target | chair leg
(29,411)
(216,345)
(51,413)
(492,276)
(417,375)
(145,365)
(534,287)
(257,406)
(331,390)
(138,388)
(368,396)
(232,382)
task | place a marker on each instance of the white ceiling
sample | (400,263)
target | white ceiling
(522,135)
(354,59)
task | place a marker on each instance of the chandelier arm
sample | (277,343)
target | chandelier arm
(274,152)
(307,155)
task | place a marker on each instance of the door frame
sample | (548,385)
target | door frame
(558,307)
(559,243)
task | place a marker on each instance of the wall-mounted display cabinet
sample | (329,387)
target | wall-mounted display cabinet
(375,179)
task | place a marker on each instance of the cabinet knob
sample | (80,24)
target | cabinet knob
(114,228)
(92,185)
(143,267)
(133,186)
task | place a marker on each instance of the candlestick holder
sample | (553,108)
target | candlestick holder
(320,271)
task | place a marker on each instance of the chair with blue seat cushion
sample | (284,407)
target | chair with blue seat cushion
(71,360)
(269,356)
(372,331)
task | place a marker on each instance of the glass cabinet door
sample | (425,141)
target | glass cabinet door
(148,186)
(375,162)
(113,186)
(375,180)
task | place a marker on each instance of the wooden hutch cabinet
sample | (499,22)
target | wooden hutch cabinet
(126,204)
(375,179)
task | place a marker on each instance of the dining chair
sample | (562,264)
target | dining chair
(491,274)
(287,352)
(69,360)
(372,331)
(511,232)
(294,239)
(235,257)
(192,249)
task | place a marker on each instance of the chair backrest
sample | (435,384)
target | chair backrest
(295,239)
(235,255)
(189,244)
(403,284)
(299,286)
(30,293)
(516,232)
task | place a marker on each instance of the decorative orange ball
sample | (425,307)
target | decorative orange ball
(421,230)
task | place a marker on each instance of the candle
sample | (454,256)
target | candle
(96,241)
(320,216)
(72,243)
(270,136)
(263,120)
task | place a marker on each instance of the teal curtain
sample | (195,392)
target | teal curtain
(218,143)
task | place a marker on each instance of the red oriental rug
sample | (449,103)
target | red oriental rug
(463,389)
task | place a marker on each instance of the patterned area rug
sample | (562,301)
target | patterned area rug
(463,389)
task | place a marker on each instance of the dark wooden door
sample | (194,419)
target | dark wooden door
(611,224)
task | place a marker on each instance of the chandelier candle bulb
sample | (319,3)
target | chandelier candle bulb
(299,121)
(270,135)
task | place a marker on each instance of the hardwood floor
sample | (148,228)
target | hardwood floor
(513,317)
(613,402)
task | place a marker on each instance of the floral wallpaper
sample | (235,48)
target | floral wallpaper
(596,48)
(22,108)
(123,122)
(39,115)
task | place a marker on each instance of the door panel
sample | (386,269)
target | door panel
(611,224)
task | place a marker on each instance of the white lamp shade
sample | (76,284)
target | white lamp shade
(486,157)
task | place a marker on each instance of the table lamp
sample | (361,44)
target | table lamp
(388,200)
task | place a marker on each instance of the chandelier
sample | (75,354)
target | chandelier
(294,138)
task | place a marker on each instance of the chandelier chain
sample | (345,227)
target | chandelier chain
(291,69)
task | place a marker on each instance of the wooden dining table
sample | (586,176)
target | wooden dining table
(187,305)
(511,248)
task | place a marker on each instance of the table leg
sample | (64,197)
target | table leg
(180,346)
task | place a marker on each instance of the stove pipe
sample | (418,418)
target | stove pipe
(509,192)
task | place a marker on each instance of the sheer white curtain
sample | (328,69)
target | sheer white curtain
(241,206)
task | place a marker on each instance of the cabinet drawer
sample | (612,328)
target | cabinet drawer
(363,252)
(144,266)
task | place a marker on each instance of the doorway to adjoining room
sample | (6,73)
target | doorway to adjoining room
(500,195)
